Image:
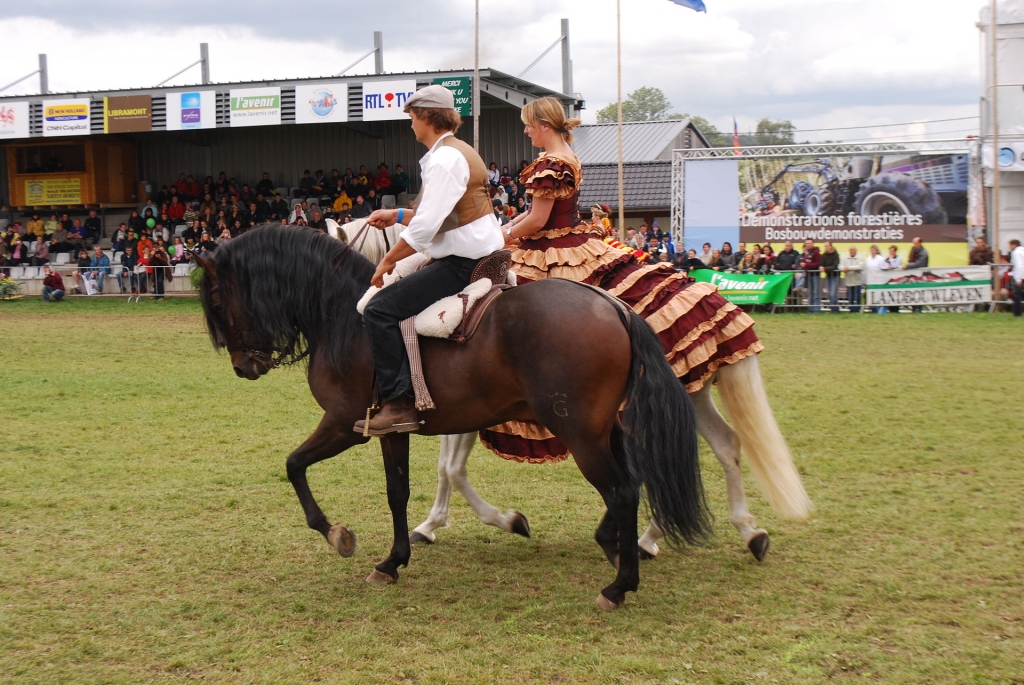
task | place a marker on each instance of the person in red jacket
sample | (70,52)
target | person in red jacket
(53,285)
(810,262)
(176,210)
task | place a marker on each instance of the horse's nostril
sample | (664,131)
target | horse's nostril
(238,372)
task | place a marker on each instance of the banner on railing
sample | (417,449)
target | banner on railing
(747,288)
(937,287)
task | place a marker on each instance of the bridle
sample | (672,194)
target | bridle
(266,359)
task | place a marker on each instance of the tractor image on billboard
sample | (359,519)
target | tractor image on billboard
(934,187)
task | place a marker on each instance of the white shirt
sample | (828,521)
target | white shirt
(1017,263)
(445,176)
(876,263)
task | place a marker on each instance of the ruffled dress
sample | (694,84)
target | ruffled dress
(699,329)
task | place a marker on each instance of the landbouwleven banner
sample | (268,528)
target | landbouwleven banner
(938,287)
(255,107)
(66,117)
(14,121)
(747,288)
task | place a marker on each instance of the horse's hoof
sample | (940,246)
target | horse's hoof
(380,578)
(758,545)
(342,539)
(419,537)
(645,555)
(520,526)
(605,604)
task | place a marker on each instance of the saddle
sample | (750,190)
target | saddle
(492,269)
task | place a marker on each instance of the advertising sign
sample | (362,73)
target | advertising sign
(747,288)
(14,121)
(1011,156)
(66,117)
(462,89)
(256,107)
(885,200)
(383,100)
(322,103)
(191,109)
(129,114)
(53,191)
(712,193)
(938,287)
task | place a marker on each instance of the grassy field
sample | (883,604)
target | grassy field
(148,532)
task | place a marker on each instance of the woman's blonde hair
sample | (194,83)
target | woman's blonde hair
(549,111)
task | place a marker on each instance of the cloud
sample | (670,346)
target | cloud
(786,59)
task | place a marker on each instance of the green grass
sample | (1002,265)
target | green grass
(148,532)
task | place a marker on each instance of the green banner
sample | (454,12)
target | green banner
(462,89)
(747,288)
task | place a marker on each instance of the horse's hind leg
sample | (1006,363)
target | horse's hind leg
(451,470)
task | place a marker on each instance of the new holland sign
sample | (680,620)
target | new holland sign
(256,107)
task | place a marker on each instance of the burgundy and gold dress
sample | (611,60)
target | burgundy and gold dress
(699,329)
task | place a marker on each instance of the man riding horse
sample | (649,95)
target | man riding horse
(452,223)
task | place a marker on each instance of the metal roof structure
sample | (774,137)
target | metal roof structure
(642,141)
(646,185)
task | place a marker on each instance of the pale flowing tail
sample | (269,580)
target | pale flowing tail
(746,403)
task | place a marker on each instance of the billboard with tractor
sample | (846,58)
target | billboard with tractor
(882,200)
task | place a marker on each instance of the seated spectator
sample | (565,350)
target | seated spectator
(18,252)
(76,235)
(749,264)
(400,181)
(364,179)
(181,186)
(190,215)
(506,177)
(726,257)
(373,199)
(176,210)
(278,208)
(981,253)
(206,244)
(256,216)
(119,238)
(152,209)
(316,219)
(208,205)
(716,261)
(99,268)
(692,263)
(224,236)
(163,195)
(93,227)
(222,184)
(704,256)
(177,251)
(349,179)
(59,241)
(632,239)
(246,196)
(84,262)
(65,221)
(145,242)
(343,202)
(53,285)
(298,213)
(35,226)
(262,206)
(319,182)
(193,231)
(237,228)
(265,185)
(40,253)
(360,210)
(51,226)
(332,180)
(126,271)
(193,189)
(382,181)
(306,184)
(493,175)
(135,221)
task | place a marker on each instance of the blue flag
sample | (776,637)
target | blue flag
(696,5)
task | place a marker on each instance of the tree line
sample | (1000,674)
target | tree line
(650,104)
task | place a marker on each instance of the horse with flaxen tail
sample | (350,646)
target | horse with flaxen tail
(277,293)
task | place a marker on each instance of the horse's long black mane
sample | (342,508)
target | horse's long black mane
(297,287)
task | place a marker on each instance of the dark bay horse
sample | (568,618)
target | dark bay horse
(554,351)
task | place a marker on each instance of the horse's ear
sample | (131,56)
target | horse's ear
(205,264)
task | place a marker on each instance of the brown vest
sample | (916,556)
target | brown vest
(476,203)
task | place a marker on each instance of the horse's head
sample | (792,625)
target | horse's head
(229,327)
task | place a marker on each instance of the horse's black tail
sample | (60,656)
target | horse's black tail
(659,437)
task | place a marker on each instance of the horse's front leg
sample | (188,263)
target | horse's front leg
(330,438)
(396,469)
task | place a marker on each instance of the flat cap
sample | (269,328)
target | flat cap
(435,96)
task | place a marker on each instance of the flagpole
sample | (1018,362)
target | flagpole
(476,79)
(618,70)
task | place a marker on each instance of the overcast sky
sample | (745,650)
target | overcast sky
(819,63)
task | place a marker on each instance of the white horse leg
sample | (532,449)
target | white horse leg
(438,517)
(726,446)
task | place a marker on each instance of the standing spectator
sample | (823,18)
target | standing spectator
(127,269)
(99,267)
(1017,274)
(142,270)
(893,261)
(810,263)
(93,227)
(53,285)
(40,253)
(830,267)
(160,265)
(876,262)
(918,257)
(726,257)
(788,259)
(716,261)
(981,253)
(741,249)
(853,267)
(632,239)
(704,256)
(749,263)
